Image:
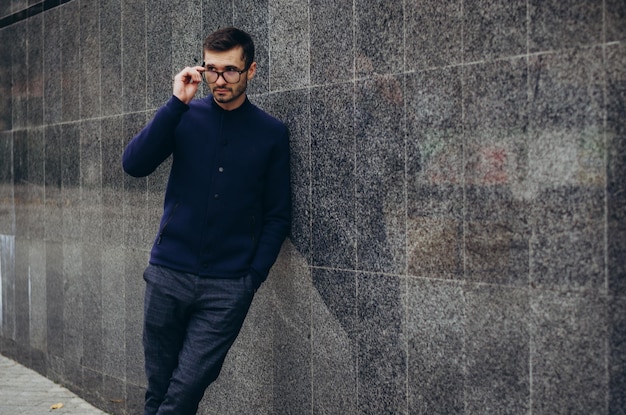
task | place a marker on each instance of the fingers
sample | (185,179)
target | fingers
(186,83)
(190,75)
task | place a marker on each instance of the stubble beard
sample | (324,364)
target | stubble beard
(234,93)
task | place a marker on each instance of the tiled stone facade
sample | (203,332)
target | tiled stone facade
(459,234)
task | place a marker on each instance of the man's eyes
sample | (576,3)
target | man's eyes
(210,69)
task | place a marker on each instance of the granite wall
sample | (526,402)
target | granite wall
(459,238)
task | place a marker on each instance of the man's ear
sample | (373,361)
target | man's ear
(251,70)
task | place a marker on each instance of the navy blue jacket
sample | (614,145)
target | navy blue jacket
(227,206)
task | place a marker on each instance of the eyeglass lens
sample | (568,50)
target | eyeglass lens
(229,76)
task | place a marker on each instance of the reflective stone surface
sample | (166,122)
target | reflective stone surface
(458,241)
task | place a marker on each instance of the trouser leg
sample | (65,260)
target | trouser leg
(165,318)
(219,313)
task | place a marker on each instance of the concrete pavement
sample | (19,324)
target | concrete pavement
(25,392)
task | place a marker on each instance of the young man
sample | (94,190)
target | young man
(226,215)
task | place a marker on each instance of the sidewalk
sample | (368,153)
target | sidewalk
(25,392)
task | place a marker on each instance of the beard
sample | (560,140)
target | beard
(229,92)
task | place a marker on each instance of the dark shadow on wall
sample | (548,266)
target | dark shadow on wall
(33,10)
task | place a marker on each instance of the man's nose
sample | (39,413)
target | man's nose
(220,80)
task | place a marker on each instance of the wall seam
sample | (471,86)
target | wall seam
(529,259)
(464,205)
(404,305)
(355,205)
(605,140)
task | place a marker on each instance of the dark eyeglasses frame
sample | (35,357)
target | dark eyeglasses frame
(222,74)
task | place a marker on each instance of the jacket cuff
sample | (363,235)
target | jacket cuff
(176,105)
(256,278)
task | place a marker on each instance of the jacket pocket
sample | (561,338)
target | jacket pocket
(167,221)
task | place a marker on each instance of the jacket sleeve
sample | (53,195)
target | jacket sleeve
(148,149)
(277,212)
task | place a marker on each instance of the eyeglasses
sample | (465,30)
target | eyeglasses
(232,76)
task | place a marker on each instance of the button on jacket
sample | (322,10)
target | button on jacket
(227,206)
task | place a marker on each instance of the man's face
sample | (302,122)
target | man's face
(228,95)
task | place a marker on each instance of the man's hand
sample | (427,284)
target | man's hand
(186,83)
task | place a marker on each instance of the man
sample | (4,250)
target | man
(226,213)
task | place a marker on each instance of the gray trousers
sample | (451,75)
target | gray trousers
(190,323)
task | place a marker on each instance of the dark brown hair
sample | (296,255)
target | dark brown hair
(230,37)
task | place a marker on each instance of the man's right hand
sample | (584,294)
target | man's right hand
(186,83)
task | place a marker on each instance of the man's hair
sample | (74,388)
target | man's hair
(228,38)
